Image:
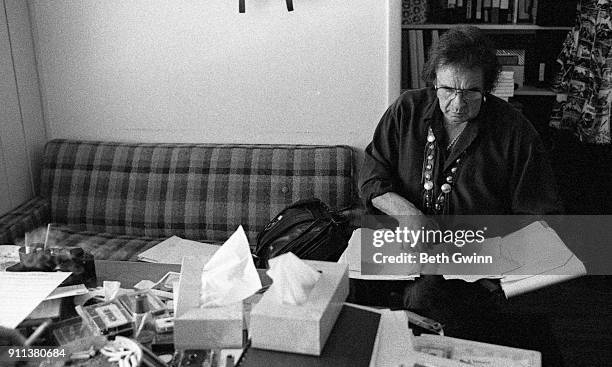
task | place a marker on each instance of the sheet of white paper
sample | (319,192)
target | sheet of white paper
(352,253)
(172,250)
(394,341)
(230,275)
(21,292)
(537,248)
(574,268)
(499,265)
(68,291)
(358,275)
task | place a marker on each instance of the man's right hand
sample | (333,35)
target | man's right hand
(395,205)
(406,213)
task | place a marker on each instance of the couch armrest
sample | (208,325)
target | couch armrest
(29,215)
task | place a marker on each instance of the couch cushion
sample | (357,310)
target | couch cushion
(103,246)
(196,191)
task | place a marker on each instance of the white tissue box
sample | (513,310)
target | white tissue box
(203,328)
(301,328)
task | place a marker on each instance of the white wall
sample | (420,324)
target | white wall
(22,133)
(198,71)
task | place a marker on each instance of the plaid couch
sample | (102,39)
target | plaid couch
(119,199)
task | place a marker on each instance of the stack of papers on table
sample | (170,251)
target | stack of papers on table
(51,306)
(172,250)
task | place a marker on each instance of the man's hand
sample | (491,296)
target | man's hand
(395,205)
(407,214)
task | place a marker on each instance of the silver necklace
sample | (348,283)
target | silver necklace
(450,145)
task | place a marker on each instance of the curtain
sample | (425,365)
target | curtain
(584,84)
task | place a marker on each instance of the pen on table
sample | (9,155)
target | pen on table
(39,330)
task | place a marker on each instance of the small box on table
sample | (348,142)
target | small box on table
(203,328)
(301,328)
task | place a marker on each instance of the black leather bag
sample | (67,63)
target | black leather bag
(308,229)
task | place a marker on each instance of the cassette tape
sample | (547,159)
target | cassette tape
(107,318)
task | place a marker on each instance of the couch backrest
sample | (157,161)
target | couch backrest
(196,191)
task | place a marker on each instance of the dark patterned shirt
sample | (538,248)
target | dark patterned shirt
(501,166)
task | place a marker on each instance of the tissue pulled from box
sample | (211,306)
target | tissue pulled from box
(230,275)
(293,279)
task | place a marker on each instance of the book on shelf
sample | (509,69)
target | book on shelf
(505,11)
(478,16)
(495,12)
(513,60)
(540,12)
(524,11)
(469,10)
(460,11)
(486,11)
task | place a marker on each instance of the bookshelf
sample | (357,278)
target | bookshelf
(540,42)
(526,91)
(513,28)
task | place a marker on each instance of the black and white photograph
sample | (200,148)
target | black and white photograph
(359,183)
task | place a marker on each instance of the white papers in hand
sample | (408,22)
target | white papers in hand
(293,279)
(21,292)
(472,272)
(230,275)
(172,250)
(537,248)
(352,257)
(546,260)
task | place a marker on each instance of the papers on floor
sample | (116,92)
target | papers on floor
(22,292)
(172,250)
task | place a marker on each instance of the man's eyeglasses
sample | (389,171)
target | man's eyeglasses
(467,94)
